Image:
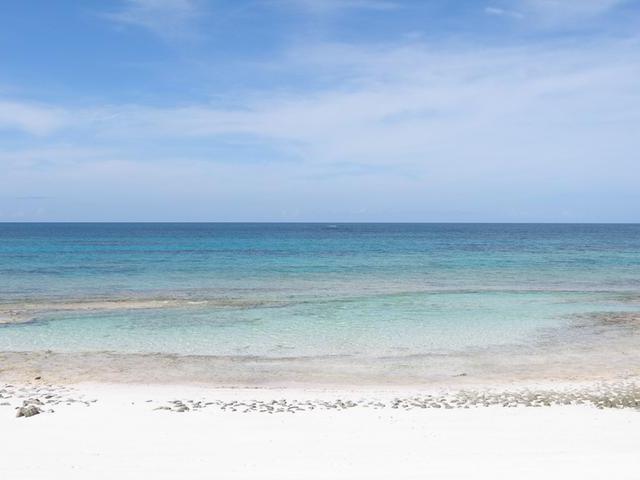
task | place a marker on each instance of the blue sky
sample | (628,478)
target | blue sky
(320,110)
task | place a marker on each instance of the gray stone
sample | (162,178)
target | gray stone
(28,411)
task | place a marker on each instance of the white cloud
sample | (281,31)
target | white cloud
(410,100)
(502,12)
(570,8)
(53,154)
(554,12)
(166,18)
(31,118)
(325,6)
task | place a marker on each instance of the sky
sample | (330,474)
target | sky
(320,110)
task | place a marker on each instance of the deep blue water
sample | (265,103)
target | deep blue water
(308,289)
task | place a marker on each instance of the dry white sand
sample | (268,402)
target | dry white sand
(121,436)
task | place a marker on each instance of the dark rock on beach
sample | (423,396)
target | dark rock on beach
(28,411)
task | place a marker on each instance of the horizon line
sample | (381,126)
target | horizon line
(167,222)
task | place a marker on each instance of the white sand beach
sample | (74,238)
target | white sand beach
(117,431)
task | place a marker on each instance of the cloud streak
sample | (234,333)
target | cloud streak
(169,19)
(555,13)
(326,6)
(32,118)
(503,12)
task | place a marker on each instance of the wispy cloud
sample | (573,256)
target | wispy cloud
(325,6)
(571,8)
(166,18)
(503,12)
(31,118)
(410,106)
(554,12)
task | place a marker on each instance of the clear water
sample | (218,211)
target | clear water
(309,289)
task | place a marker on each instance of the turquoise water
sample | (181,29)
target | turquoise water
(308,289)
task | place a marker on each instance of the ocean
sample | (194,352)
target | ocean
(308,290)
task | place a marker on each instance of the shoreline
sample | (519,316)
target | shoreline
(616,359)
(593,347)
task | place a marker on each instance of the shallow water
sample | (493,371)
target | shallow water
(290,290)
